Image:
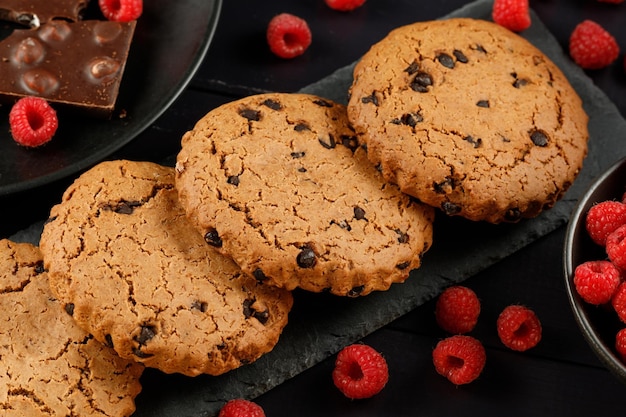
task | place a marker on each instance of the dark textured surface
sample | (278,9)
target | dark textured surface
(560,377)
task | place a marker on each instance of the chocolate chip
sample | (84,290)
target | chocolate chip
(421,82)
(69,308)
(539,138)
(252,115)
(480,48)
(403,265)
(272,104)
(356,291)
(444,187)
(450,208)
(249,311)
(328,144)
(476,142)
(137,352)
(301,127)
(146,334)
(301,169)
(460,56)
(513,214)
(350,142)
(213,238)
(412,68)
(323,103)
(359,213)
(411,119)
(39,268)
(370,99)
(445,60)
(123,207)
(483,103)
(402,237)
(108,341)
(520,83)
(296,155)
(201,306)
(233,180)
(259,275)
(343,224)
(306,258)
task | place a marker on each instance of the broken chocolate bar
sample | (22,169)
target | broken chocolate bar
(34,13)
(77,64)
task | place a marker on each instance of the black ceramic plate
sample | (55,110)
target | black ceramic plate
(599,325)
(170,41)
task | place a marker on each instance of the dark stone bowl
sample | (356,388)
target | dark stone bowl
(599,324)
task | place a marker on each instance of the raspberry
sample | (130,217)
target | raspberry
(121,10)
(519,328)
(33,121)
(619,301)
(344,5)
(241,408)
(596,281)
(616,247)
(592,47)
(360,371)
(620,344)
(603,218)
(512,14)
(459,358)
(457,310)
(288,36)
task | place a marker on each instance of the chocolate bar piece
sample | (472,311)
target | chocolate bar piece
(34,13)
(78,64)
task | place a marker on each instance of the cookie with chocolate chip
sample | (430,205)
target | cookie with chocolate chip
(280,183)
(133,271)
(469,117)
(50,366)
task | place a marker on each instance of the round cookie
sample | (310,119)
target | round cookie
(50,366)
(280,183)
(469,117)
(124,259)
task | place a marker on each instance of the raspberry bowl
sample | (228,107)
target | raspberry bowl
(599,323)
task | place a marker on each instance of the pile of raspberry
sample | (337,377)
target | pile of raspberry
(600,282)
(591,46)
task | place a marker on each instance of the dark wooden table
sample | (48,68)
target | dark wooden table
(561,376)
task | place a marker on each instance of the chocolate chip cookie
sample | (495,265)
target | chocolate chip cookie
(469,117)
(134,272)
(50,366)
(280,183)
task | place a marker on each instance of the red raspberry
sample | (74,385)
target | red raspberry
(519,328)
(603,218)
(620,344)
(344,5)
(241,408)
(288,36)
(360,371)
(592,47)
(459,358)
(616,247)
(512,14)
(619,301)
(33,121)
(596,281)
(121,10)
(457,310)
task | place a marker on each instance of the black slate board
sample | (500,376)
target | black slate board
(320,324)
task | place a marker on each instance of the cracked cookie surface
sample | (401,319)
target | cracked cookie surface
(470,118)
(280,183)
(124,259)
(49,366)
